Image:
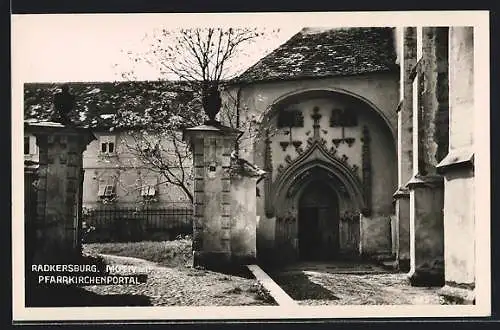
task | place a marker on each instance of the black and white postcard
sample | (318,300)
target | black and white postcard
(250,166)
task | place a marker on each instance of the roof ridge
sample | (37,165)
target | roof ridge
(345,51)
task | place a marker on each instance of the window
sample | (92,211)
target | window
(148,187)
(30,148)
(26,145)
(148,191)
(108,144)
(107,188)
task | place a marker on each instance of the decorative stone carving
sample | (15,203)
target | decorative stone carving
(284,145)
(288,159)
(296,144)
(336,142)
(64,103)
(316,116)
(268,179)
(367,175)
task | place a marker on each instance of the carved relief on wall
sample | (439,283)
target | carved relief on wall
(268,179)
(343,118)
(290,118)
(316,147)
(367,175)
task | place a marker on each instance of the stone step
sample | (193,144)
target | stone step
(278,294)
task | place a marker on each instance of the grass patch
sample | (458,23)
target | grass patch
(175,253)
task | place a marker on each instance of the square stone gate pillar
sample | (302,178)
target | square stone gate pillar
(59,190)
(212,146)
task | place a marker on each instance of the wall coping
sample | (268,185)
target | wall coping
(425,180)
(402,192)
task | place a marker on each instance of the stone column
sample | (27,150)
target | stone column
(430,141)
(458,170)
(405,161)
(58,191)
(212,146)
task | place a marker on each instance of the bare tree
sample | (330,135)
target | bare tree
(203,60)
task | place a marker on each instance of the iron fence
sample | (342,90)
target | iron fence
(136,224)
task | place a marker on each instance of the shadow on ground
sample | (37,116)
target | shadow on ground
(79,297)
(299,287)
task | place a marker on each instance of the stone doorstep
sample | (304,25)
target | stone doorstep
(454,294)
(278,294)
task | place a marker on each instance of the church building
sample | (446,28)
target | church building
(326,103)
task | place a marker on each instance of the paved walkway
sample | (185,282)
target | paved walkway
(345,283)
(180,286)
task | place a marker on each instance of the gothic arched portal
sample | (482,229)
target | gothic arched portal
(311,150)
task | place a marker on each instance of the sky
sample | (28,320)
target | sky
(61,48)
(93,47)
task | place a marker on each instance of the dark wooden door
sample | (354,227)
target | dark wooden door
(318,227)
(309,233)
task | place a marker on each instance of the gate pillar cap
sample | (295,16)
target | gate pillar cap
(50,127)
(209,127)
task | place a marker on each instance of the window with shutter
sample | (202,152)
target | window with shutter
(106,188)
(148,189)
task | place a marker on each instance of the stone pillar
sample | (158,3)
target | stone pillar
(458,170)
(429,142)
(212,146)
(405,161)
(58,221)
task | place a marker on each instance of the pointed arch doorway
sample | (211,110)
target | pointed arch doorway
(318,222)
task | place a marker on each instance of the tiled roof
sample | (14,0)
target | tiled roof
(314,53)
(111,104)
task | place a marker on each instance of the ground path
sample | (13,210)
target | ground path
(184,286)
(350,284)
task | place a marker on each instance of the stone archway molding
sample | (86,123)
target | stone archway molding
(316,157)
(302,92)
